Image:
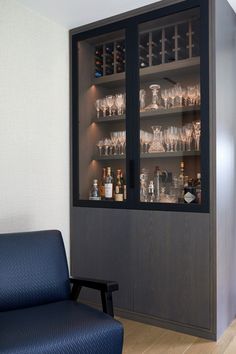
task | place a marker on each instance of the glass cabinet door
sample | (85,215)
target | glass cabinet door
(102,118)
(170,109)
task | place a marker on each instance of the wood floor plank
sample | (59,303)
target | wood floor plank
(171,343)
(141,338)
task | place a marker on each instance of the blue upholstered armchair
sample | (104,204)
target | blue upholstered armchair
(38,308)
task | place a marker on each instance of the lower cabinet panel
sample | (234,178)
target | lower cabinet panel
(160,259)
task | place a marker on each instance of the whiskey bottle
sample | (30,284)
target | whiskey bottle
(102,184)
(198,189)
(109,185)
(119,193)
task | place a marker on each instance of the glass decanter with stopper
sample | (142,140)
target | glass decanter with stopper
(156,145)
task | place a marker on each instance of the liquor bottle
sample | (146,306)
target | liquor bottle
(109,185)
(157,182)
(119,193)
(151,194)
(199,189)
(181,182)
(102,184)
(94,192)
(190,193)
(122,181)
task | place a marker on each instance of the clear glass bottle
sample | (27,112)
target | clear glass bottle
(102,184)
(151,194)
(94,192)
(157,182)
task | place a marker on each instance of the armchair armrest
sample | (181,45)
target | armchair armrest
(106,287)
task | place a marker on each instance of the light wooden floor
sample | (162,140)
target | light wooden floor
(141,338)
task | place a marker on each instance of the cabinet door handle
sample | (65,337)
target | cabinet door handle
(131,173)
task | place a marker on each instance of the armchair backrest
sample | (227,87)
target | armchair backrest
(33,269)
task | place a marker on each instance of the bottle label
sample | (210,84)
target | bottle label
(189,197)
(108,190)
(119,197)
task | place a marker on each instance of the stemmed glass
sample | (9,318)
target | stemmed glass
(119,102)
(192,94)
(100,144)
(142,94)
(188,128)
(165,96)
(114,140)
(197,133)
(179,94)
(110,101)
(98,106)
(147,139)
(103,105)
(107,144)
(173,96)
(122,140)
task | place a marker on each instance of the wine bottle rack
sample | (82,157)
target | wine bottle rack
(164,45)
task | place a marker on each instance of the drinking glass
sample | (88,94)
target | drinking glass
(110,102)
(197,133)
(100,145)
(142,94)
(119,102)
(103,104)
(147,139)
(107,144)
(98,106)
(179,94)
(188,128)
(192,94)
(122,141)
(114,140)
(165,96)
(173,96)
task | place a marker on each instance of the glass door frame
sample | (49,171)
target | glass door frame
(131,26)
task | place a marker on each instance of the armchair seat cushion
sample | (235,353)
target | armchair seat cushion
(64,327)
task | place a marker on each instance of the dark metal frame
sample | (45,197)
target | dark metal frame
(132,111)
(106,288)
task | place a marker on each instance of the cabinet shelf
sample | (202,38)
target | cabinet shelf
(150,155)
(152,114)
(159,71)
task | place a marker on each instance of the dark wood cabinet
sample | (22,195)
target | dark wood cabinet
(145,102)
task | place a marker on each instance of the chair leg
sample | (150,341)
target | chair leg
(107,303)
(75,291)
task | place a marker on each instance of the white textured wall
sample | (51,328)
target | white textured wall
(34,122)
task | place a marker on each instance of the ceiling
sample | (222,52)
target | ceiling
(74,13)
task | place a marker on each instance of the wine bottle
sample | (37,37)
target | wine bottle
(119,194)
(109,185)
(102,184)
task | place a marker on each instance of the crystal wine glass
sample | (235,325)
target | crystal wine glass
(98,106)
(192,94)
(142,94)
(188,128)
(165,96)
(114,140)
(119,102)
(197,133)
(100,145)
(103,104)
(110,102)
